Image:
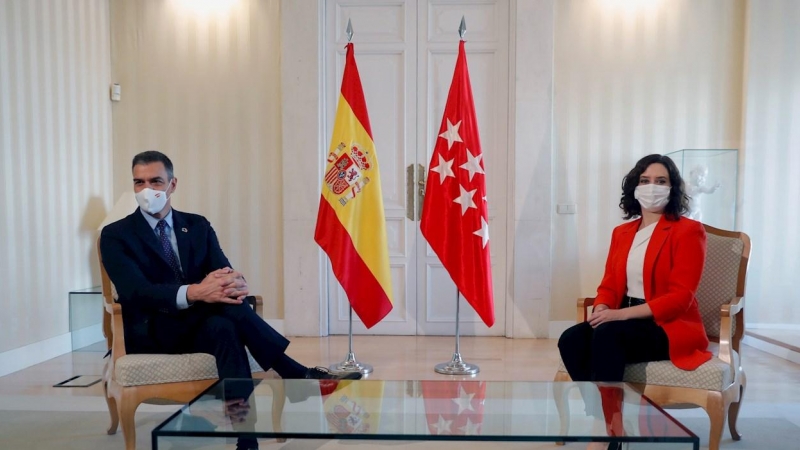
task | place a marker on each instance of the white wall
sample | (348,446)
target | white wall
(55,148)
(632,78)
(303,99)
(204,88)
(769,212)
(531,169)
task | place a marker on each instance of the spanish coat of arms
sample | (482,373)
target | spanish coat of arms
(346,176)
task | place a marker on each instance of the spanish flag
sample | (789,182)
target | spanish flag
(351,227)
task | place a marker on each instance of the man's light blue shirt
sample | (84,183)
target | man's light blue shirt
(180,300)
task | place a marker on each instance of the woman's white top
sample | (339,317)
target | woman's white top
(635,266)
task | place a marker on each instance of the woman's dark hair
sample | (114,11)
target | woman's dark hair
(154,156)
(678,200)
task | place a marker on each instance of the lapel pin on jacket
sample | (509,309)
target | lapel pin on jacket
(185,230)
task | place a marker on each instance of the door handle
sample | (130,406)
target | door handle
(421,189)
(415,191)
(410,193)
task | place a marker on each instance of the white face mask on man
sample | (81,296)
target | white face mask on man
(652,197)
(151,201)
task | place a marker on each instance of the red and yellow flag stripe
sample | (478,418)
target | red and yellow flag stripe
(351,227)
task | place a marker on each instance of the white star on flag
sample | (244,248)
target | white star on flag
(470,429)
(442,426)
(465,199)
(444,169)
(464,400)
(473,164)
(483,232)
(451,134)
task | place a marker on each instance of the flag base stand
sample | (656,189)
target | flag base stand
(350,364)
(456,366)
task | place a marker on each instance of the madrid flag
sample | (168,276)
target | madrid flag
(455,216)
(351,227)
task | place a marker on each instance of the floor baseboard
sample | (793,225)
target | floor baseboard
(772,347)
(31,354)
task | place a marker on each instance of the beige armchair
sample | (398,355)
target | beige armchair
(718,385)
(129,380)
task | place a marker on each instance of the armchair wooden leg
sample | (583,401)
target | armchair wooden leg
(733,412)
(562,377)
(717,410)
(560,395)
(562,406)
(278,402)
(127,410)
(112,410)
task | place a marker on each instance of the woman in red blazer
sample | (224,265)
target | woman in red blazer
(645,308)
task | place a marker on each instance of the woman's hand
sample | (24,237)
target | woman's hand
(599,308)
(606,315)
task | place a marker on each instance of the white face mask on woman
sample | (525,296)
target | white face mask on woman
(151,201)
(652,197)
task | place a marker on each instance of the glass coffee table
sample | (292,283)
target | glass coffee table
(441,410)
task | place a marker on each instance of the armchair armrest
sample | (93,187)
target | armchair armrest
(729,339)
(114,311)
(257,303)
(732,308)
(583,308)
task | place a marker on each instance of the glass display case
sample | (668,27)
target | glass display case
(711,177)
(86,318)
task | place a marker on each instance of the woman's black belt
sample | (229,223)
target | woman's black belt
(627,302)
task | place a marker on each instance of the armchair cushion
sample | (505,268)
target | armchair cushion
(144,369)
(713,375)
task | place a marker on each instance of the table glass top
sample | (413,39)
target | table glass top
(425,410)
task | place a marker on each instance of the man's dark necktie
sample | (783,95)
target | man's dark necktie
(166,245)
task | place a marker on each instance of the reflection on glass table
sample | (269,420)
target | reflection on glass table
(442,410)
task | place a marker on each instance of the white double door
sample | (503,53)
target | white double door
(406,52)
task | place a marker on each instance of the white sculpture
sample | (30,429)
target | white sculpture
(695,188)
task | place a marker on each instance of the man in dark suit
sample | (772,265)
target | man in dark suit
(177,289)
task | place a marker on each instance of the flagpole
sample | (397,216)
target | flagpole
(350,364)
(457,366)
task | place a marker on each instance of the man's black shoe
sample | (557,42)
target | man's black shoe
(321,373)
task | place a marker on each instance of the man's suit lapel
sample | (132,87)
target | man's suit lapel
(184,243)
(657,240)
(147,235)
